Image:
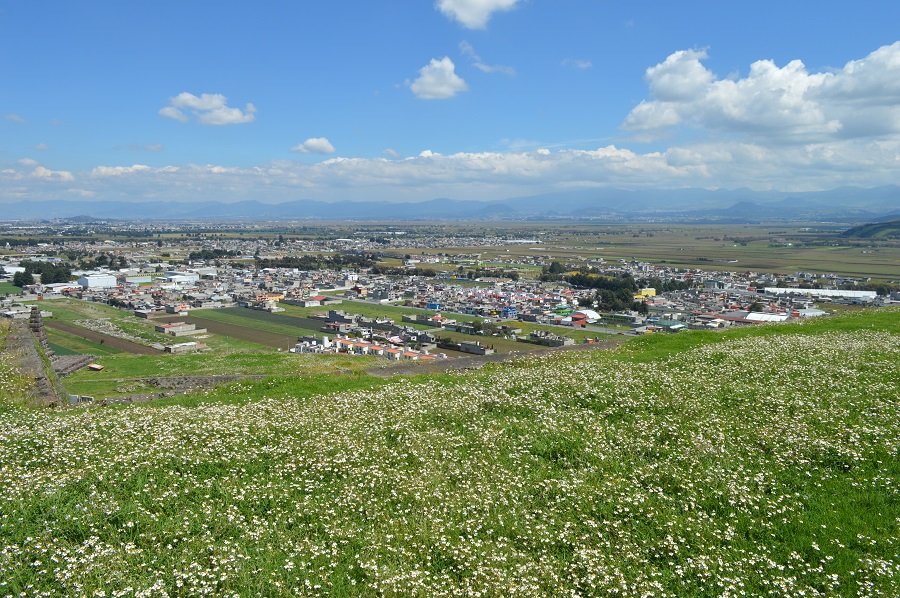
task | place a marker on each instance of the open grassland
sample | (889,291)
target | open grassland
(760,462)
(125,370)
(8,288)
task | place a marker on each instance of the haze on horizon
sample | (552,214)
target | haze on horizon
(467,99)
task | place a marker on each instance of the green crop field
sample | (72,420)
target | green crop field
(374,310)
(762,461)
(8,288)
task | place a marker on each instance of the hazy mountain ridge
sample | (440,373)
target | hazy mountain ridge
(731,205)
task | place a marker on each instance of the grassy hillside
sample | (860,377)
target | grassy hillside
(759,462)
(875,230)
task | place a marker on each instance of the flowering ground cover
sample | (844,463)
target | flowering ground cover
(14,384)
(763,462)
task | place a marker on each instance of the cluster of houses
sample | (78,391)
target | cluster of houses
(713,299)
(356,346)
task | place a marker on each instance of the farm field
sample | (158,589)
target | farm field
(374,310)
(96,339)
(8,288)
(662,467)
(709,247)
(243,329)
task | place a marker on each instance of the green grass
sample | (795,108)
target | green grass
(73,310)
(761,460)
(259,320)
(8,288)
(65,343)
(124,368)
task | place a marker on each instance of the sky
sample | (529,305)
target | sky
(409,100)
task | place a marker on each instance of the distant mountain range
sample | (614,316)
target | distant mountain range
(848,204)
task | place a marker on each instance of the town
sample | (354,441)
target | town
(396,295)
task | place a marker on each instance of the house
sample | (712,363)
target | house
(179,329)
(183,347)
(475,348)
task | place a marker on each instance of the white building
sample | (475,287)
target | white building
(98,280)
(179,277)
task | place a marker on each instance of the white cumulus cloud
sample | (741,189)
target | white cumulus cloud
(473,14)
(786,103)
(41,172)
(314,145)
(438,80)
(208,109)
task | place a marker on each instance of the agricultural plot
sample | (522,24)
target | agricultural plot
(710,247)
(100,339)
(7,288)
(261,320)
(65,343)
(243,329)
(375,310)
(761,462)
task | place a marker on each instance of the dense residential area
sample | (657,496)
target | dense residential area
(595,295)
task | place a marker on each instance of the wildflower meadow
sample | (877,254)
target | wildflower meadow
(708,465)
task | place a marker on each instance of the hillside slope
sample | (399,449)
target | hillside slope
(875,230)
(763,461)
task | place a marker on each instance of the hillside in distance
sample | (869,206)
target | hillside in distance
(761,461)
(889,229)
(741,205)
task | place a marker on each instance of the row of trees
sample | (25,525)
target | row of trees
(318,262)
(427,272)
(49,273)
(210,254)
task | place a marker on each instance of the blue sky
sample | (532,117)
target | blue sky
(471,99)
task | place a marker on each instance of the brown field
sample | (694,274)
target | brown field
(104,339)
(245,333)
